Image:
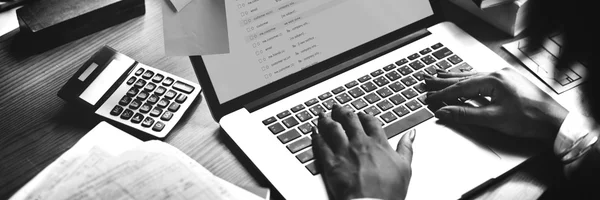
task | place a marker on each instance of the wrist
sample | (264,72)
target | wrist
(555,116)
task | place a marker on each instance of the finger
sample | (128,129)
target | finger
(473,87)
(456,74)
(483,116)
(372,127)
(349,121)
(323,154)
(404,147)
(332,133)
(434,84)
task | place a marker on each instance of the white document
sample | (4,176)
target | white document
(179,4)
(8,21)
(198,29)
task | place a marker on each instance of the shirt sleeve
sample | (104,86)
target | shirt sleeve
(574,127)
(367,199)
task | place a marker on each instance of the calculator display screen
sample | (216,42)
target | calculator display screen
(105,80)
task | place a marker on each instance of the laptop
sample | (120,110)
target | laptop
(291,59)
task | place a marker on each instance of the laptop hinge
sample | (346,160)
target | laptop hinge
(340,68)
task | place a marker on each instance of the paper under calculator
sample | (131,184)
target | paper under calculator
(130,93)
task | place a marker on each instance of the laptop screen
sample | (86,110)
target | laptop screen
(271,39)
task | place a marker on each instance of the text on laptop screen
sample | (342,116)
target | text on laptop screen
(271,39)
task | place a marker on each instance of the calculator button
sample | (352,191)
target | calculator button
(156,112)
(167,116)
(131,80)
(148,74)
(174,107)
(145,108)
(158,78)
(171,94)
(148,122)
(143,95)
(116,110)
(139,72)
(163,103)
(127,114)
(183,87)
(140,83)
(132,92)
(180,98)
(158,126)
(150,87)
(137,118)
(135,104)
(168,81)
(160,90)
(125,101)
(152,99)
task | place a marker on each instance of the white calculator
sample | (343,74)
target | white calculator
(129,93)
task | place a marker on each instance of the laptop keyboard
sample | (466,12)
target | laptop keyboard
(394,94)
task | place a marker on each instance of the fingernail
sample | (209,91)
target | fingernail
(427,76)
(440,70)
(314,131)
(442,114)
(412,135)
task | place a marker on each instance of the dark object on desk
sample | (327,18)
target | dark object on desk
(45,24)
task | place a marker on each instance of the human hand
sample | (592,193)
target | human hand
(517,108)
(356,160)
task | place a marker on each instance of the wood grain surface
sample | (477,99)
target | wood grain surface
(36,126)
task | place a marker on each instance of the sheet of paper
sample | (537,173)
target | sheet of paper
(198,29)
(8,21)
(543,63)
(179,4)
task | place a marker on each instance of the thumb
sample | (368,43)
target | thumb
(481,116)
(404,147)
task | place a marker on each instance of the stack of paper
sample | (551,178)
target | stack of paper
(507,15)
(110,164)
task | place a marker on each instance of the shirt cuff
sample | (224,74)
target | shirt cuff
(366,199)
(574,127)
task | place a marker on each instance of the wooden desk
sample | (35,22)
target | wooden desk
(36,126)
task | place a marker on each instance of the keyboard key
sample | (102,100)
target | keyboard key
(428,59)
(180,98)
(143,95)
(288,136)
(150,87)
(290,122)
(397,99)
(158,78)
(413,56)
(409,93)
(338,90)
(384,92)
(394,75)
(442,53)
(463,67)
(131,80)
(381,81)
(356,92)
(168,81)
(375,74)
(401,62)
(167,116)
(311,102)
(299,144)
(325,96)
(343,98)
(140,83)
(303,116)
(408,81)
(419,75)
(421,88)
(422,99)
(153,99)
(127,114)
(401,111)
(364,78)
(329,104)
(437,46)
(425,51)
(148,122)
(454,59)
(351,84)
(276,128)
(312,168)
(389,67)
(283,114)
(155,112)
(160,90)
(444,64)
(413,105)
(359,104)
(170,94)
(305,156)
(368,87)
(139,71)
(145,108)
(305,128)
(397,86)
(183,87)
(148,74)
(297,108)
(315,110)
(372,111)
(158,126)
(405,70)
(404,124)
(417,65)
(137,118)
(174,107)
(135,104)
(431,70)
(315,121)
(116,110)
(349,107)
(269,120)
(384,105)
(388,117)
(125,101)
(372,98)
